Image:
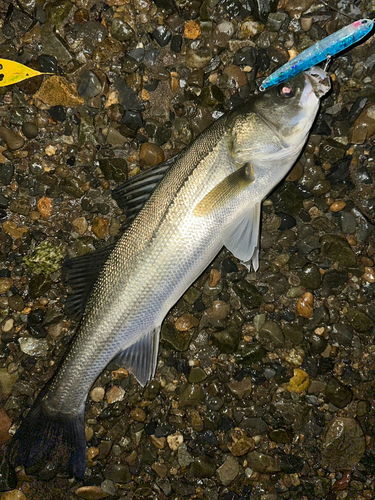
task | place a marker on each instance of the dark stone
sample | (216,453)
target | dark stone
(137,54)
(226,340)
(333,280)
(176,44)
(39,285)
(29,130)
(246,56)
(48,64)
(89,85)
(119,473)
(287,221)
(121,30)
(58,113)
(310,277)
(253,353)
(161,35)
(262,61)
(321,126)
(249,295)
(6,173)
(114,169)
(317,344)
(128,97)
(260,9)
(338,394)
(4,202)
(230,266)
(151,56)
(342,334)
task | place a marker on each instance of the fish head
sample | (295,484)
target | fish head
(292,106)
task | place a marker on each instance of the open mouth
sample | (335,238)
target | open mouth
(320,80)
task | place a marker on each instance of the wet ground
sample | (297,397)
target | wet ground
(265,381)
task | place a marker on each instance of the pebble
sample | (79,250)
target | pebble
(13,495)
(45,259)
(338,394)
(100,227)
(45,207)
(174,338)
(13,140)
(369,275)
(5,285)
(89,85)
(203,467)
(91,493)
(343,444)
(263,463)
(150,155)
(97,394)
(337,206)
(7,381)
(186,322)
(193,395)
(37,348)
(229,470)
(5,423)
(192,30)
(175,441)
(80,225)
(92,452)
(115,394)
(161,35)
(56,91)
(138,414)
(240,389)
(158,442)
(299,382)
(240,444)
(219,310)
(121,30)
(305,305)
(119,473)
(271,335)
(364,126)
(30,130)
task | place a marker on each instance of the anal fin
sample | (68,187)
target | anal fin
(242,237)
(141,357)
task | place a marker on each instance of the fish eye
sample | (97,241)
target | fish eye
(286,90)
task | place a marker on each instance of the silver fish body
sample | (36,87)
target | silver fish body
(210,197)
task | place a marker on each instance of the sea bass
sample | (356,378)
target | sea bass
(211,196)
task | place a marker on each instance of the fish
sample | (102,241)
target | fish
(320,51)
(208,196)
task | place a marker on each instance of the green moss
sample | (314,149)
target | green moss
(45,259)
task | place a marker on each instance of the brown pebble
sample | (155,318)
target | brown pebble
(138,414)
(5,423)
(305,305)
(352,240)
(296,173)
(160,469)
(337,206)
(174,80)
(192,30)
(13,495)
(120,374)
(115,394)
(159,443)
(91,453)
(369,275)
(215,277)
(150,155)
(91,493)
(56,91)
(240,389)
(5,284)
(16,232)
(97,394)
(240,444)
(236,77)
(185,322)
(45,207)
(196,420)
(80,225)
(100,227)
(218,310)
(13,140)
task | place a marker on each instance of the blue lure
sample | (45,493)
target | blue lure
(324,49)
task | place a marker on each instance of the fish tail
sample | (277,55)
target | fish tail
(47,444)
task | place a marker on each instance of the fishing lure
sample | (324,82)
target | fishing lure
(324,49)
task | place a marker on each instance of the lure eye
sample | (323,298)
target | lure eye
(286,90)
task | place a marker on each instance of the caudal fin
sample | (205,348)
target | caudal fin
(46,445)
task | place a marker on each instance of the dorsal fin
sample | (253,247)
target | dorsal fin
(133,194)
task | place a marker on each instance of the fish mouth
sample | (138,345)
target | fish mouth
(320,81)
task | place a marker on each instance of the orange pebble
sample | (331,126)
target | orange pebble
(192,30)
(337,206)
(45,207)
(305,305)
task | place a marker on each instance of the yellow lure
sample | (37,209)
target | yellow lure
(13,72)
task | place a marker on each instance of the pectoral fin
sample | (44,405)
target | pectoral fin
(242,237)
(141,357)
(228,188)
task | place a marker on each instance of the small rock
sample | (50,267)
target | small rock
(158,442)
(34,347)
(183,456)
(89,85)
(119,473)
(97,394)
(369,275)
(192,30)
(338,394)
(13,140)
(227,340)
(186,322)
(161,35)
(160,469)
(215,277)
(175,441)
(7,381)
(240,389)
(193,395)
(197,375)
(150,154)
(5,285)
(92,452)
(305,305)
(115,394)
(5,423)
(56,91)
(121,30)
(172,337)
(299,382)
(337,206)
(260,462)
(271,335)
(100,227)
(343,445)
(45,207)
(13,495)
(29,130)
(91,493)
(138,414)
(80,225)
(203,467)
(229,470)
(364,126)
(240,444)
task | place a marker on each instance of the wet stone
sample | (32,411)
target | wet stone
(161,35)
(197,375)
(277,20)
(150,155)
(342,334)
(271,335)
(240,389)
(343,445)
(114,169)
(119,473)
(211,97)
(226,340)
(229,470)
(240,444)
(193,395)
(310,277)
(331,151)
(253,353)
(333,281)
(29,130)
(263,463)
(359,320)
(13,140)
(203,467)
(293,333)
(280,436)
(198,59)
(338,394)
(5,285)
(192,295)
(33,347)
(174,338)
(56,91)
(127,97)
(39,285)
(89,85)
(305,305)
(121,30)
(6,173)
(16,302)
(176,44)
(249,295)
